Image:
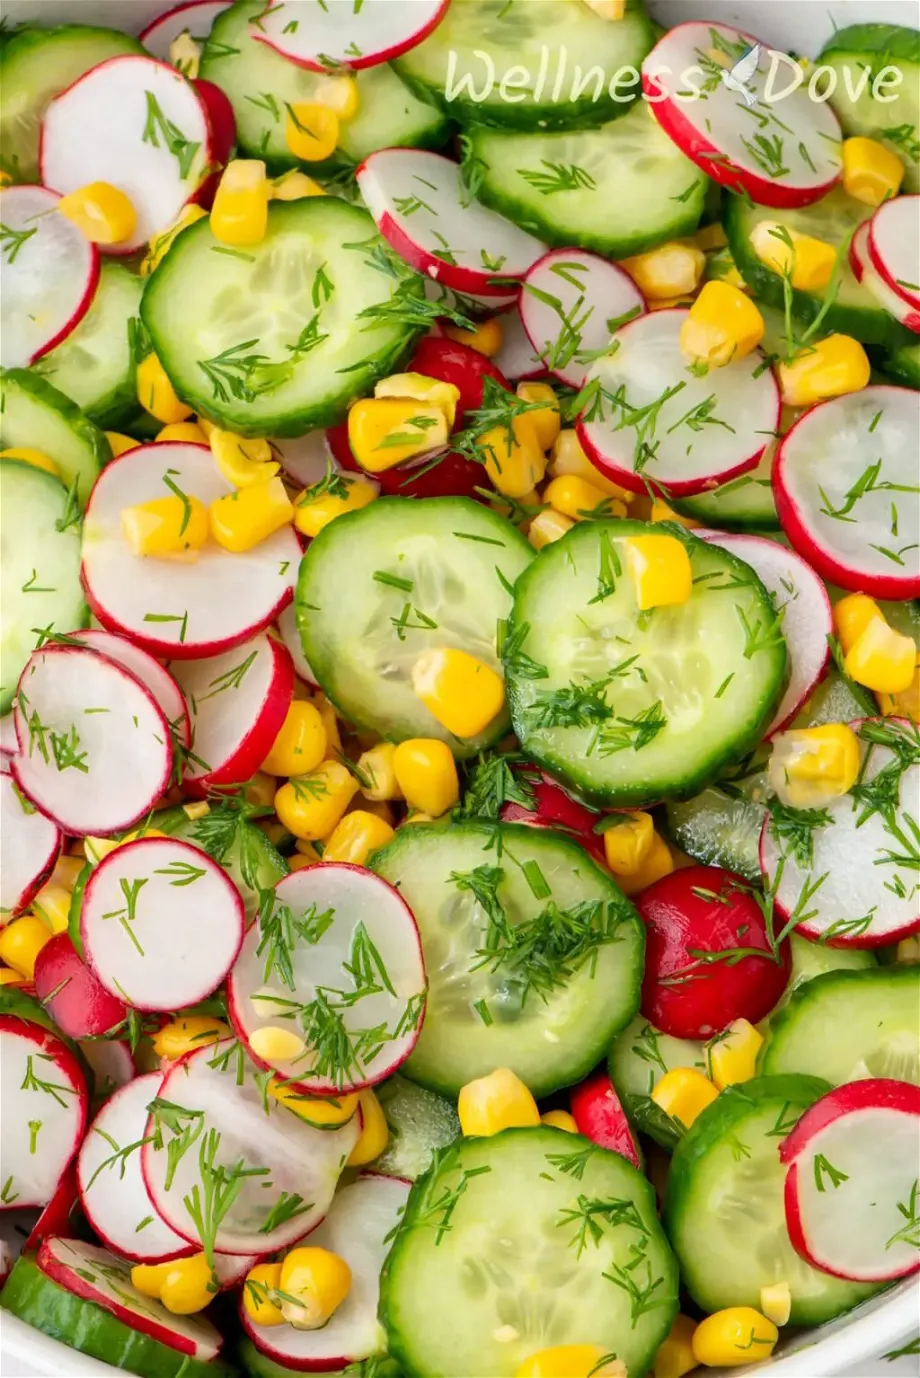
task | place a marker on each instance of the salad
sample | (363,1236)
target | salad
(460,687)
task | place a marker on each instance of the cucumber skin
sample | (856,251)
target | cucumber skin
(903,366)
(890,40)
(89,435)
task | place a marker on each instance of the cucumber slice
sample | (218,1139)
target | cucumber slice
(35,66)
(563,64)
(420,1123)
(617,189)
(453,562)
(682,691)
(40,567)
(243,850)
(815,959)
(259,83)
(482,1014)
(719,829)
(726,1188)
(638,1059)
(264,340)
(903,366)
(37,415)
(857,54)
(95,365)
(526,1265)
(847,1025)
(743,504)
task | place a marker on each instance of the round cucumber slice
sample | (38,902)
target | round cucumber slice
(629,707)
(743,504)
(37,415)
(857,54)
(640,1056)
(534,956)
(420,1122)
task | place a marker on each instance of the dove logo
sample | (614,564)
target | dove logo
(738,78)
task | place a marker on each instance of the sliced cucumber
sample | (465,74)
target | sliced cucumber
(815,959)
(848,1025)
(265,340)
(858,55)
(380,586)
(661,700)
(719,829)
(95,365)
(37,415)
(524,1265)
(481,1012)
(838,698)
(743,504)
(420,1123)
(639,1057)
(260,83)
(617,189)
(39,567)
(903,366)
(243,850)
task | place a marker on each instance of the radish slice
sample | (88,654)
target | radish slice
(571,302)
(707,431)
(851,1190)
(50,273)
(95,747)
(59,1216)
(852,881)
(161,923)
(864,271)
(150,672)
(79,1005)
(359,1228)
(799,594)
(287,630)
(356,36)
(239,702)
(231,1269)
(9,742)
(306,459)
(31,844)
(721,118)
(111,1183)
(845,483)
(44,1112)
(98,1276)
(228,1119)
(194,18)
(339,938)
(894,246)
(168,607)
(110,1062)
(423,211)
(516,358)
(137,124)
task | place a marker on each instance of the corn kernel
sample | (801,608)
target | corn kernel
(611,10)
(732,1055)
(166,528)
(155,392)
(548,526)
(120,444)
(560,1119)
(259,1301)
(427,775)
(161,244)
(308,850)
(324,1112)
(183,432)
(311,131)
(314,512)
(375,1132)
(809,261)
(272,1043)
(326,709)
(103,213)
(882,659)
(183,1286)
(906,703)
(9,977)
(423,389)
(463,693)
(572,1361)
(684,1093)
(241,520)
(485,339)
(260,790)
(300,745)
(320,1281)
(659,567)
(498,1101)
(52,906)
(675,1354)
(339,92)
(907,953)
(356,836)
(21,941)
(851,617)
(810,766)
(185,55)
(722,324)
(581,500)
(66,871)
(776,1302)
(294,186)
(386,431)
(239,214)
(721,267)
(98,847)
(670,270)
(547,419)
(832,367)
(297,862)
(514,469)
(376,766)
(657,864)
(710,237)
(24,454)
(311,805)
(871,172)
(661,512)
(570,458)
(186,1033)
(734,1336)
(628,842)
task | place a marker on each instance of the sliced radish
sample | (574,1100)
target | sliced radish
(306,459)
(161,923)
(96,1275)
(60,1214)
(168,607)
(222,122)
(95,747)
(341,947)
(231,1269)
(238,702)
(292,1167)
(50,273)
(194,18)
(149,671)
(853,883)
(865,272)
(845,483)
(78,1003)
(45,1100)
(9,742)
(852,1193)
(358,1228)
(138,124)
(785,157)
(287,630)
(601,1118)
(312,34)
(423,211)
(111,1063)
(652,423)
(800,595)
(894,246)
(571,302)
(517,358)
(31,844)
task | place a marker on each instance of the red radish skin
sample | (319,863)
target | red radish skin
(894,234)
(450,361)
(78,1003)
(223,135)
(59,1216)
(148,670)
(555,808)
(600,1117)
(355,39)
(195,18)
(111,1063)
(31,846)
(694,912)
(452,476)
(865,272)
(61,1110)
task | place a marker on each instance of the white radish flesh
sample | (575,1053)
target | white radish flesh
(287,630)
(50,273)
(9,743)
(95,750)
(305,459)
(653,423)
(865,272)
(894,246)
(334,928)
(44,1098)
(194,19)
(317,35)
(137,124)
(571,302)
(171,608)
(29,847)
(149,671)
(161,923)
(517,358)
(231,1269)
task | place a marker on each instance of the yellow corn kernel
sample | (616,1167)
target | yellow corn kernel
(514,469)
(96,848)
(5,178)
(339,92)
(463,693)
(259,1300)
(611,10)
(24,454)
(325,1112)
(308,850)
(723,324)
(733,1054)
(581,500)
(683,1093)
(320,1280)
(871,172)
(427,775)
(629,842)
(103,213)
(810,766)
(560,1119)
(832,367)
(675,1355)
(776,1302)
(547,526)
(907,953)
(905,704)
(573,1361)
(657,864)
(242,462)
(300,745)
(314,512)
(498,1101)
(184,432)
(183,1286)
(386,431)
(260,790)
(327,712)
(9,977)
(311,131)
(485,339)
(243,519)
(148,1278)
(294,186)
(423,389)
(185,55)
(356,836)
(659,567)
(272,1043)
(21,941)
(66,870)
(206,425)
(376,766)
(199,809)
(721,267)
(547,419)
(161,244)
(155,392)
(882,659)
(710,237)
(239,214)
(734,1336)
(669,270)
(375,1132)
(570,458)
(188,1032)
(297,862)
(810,261)
(119,444)
(166,528)
(52,906)
(661,512)
(311,805)
(851,617)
